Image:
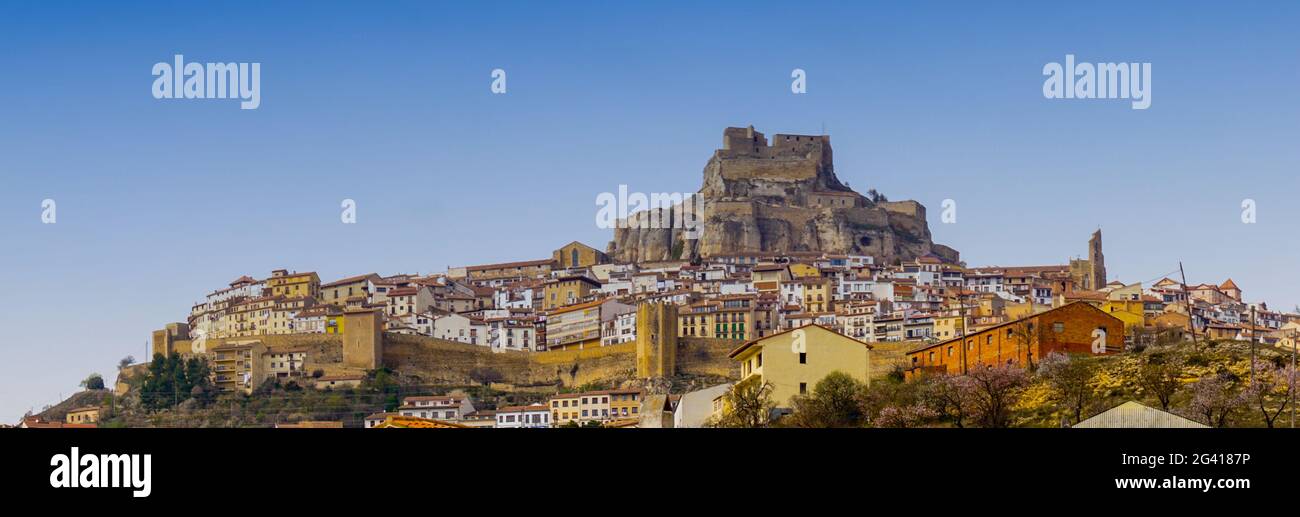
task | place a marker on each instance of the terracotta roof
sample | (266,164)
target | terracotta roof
(1229,284)
(1085,295)
(578,306)
(420,398)
(505,265)
(751,342)
(411,422)
(520,409)
(403,291)
(350,280)
(243,279)
(1000,325)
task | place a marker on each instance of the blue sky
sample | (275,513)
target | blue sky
(161,201)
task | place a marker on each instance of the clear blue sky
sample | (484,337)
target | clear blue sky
(161,201)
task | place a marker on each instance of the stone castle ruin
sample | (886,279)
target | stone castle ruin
(780,197)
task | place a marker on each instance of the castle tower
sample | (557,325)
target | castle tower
(363,338)
(656,340)
(1097,261)
(1090,274)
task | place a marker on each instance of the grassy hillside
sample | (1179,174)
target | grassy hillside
(1116,380)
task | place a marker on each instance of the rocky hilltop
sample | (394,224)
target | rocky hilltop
(776,198)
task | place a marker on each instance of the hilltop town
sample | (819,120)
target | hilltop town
(640,335)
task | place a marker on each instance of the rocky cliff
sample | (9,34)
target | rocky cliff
(776,198)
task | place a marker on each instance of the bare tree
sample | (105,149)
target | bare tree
(1070,379)
(1159,376)
(1026,338)
(952,396)
(748,404)
(1213,400)
(909,415)
(1270,389)
(996,389)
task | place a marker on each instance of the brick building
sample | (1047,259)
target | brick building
(1069,328)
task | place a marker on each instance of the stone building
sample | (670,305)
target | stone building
(576,255)
(1090,274)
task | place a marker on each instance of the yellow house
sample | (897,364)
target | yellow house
(804,270)
(727,317)
(793,361)
(1128,311)
(1018,311)
(339,291)
(817,295)
(1126,304)
(237,366)
(948,327)
(625,403)
(567,291)
(83,415)
(334,323)
(768,277)
(294,285)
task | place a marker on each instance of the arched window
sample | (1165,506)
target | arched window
(573,257)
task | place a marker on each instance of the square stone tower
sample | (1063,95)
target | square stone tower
(363,338)
(656,340)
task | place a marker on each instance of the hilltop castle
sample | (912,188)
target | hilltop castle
(782,197)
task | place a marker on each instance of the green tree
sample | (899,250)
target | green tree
(94,381)
(172,380)
(834,402)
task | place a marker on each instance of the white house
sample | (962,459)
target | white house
(621,328)
(455,327)
(695,408)
(437,407)
(531,416)
(508,333)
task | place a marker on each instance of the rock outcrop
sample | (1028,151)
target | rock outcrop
(781,197)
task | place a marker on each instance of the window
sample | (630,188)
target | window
(1058,327)
(803,357)
(803,388)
